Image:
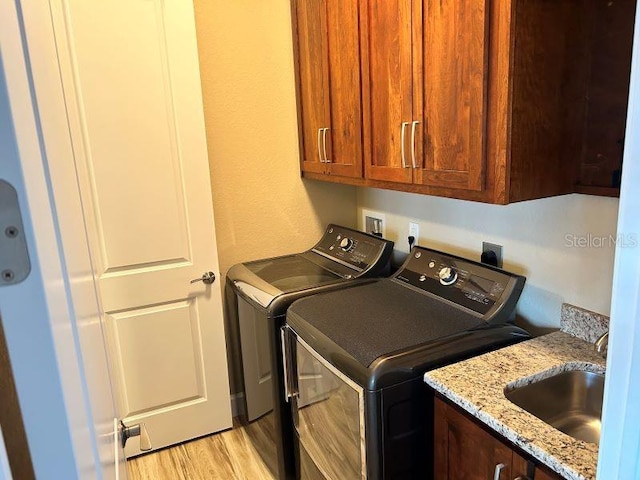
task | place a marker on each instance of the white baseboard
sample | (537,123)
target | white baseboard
(237,404)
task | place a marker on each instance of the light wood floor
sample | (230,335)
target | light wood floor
(226,456)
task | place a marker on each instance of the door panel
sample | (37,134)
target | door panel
(128,95)
(390,89)
(345,149)
(313,67)
(130,74)
(163,338)
(453,97)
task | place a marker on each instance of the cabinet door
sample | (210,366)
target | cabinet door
(330,87)
(465,451)
(344,139)
(387,88)
(543,474)
(313,71)
(450,96)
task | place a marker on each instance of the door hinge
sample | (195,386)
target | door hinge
(14,255)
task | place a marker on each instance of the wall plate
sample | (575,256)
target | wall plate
(496,249)
(374,223)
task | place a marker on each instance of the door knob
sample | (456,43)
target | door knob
(137,430)
(207,277)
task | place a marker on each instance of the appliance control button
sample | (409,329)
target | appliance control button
(331,230)
(432,264)
(338,237)
(346,243)
(447,275)
(422,278)
(418,254)
(332,247)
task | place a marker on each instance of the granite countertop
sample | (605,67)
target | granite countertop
(477,385)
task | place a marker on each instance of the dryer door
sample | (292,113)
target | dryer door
(328,411)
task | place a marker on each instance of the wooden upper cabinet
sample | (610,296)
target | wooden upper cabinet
(425,92)
(495,101)
(313,70)
(329,78)
(450,100)
(387,89)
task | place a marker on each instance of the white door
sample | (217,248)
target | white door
(131,82)
(50,312)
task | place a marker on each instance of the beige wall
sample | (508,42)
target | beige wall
(538,240)
(262,207)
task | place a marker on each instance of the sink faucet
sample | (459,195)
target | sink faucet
(601,344)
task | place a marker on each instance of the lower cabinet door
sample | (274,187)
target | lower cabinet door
(465,451)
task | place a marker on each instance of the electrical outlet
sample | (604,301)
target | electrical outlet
(374,223)
(488,249)
(414,231)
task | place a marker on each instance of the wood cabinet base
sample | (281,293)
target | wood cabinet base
(467,450)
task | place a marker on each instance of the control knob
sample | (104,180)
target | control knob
(447,275)
(346,244)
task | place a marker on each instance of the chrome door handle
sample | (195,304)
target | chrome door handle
(319,147)
(324,144)
(285,367)
(498,471)
(413,143)
(207,277)
(402,141)
(137,430)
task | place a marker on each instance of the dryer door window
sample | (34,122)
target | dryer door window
(328,415)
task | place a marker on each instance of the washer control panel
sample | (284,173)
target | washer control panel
(463,282)
(356,250)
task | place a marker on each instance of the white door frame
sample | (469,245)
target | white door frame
(620,440)
(39,315)
(40,329)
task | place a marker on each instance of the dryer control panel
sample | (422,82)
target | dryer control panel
(357,250)
(466,283)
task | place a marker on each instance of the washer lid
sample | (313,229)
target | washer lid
(291,273)
(263,281)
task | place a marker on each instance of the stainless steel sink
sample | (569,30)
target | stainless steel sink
(569,401)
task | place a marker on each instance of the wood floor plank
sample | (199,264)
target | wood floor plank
(246,460)
(224,456)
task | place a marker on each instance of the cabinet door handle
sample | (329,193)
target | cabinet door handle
(498,471)
(414,124)
(324,144)
(319,145)
(402,141)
